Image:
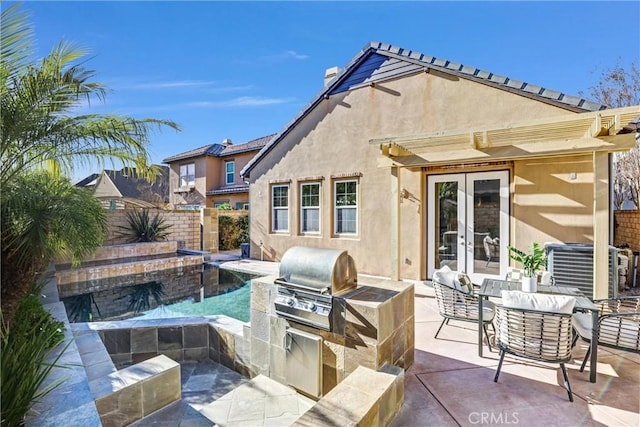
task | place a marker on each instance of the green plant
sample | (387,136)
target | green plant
(531,261)
(233,231)
(142,227)
(27,358)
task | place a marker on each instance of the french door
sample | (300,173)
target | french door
(468,223)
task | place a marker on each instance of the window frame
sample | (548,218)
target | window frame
(228,163)
(318,207)
(337,208)
(188,182)
(275,209)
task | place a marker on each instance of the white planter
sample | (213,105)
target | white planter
(529,284)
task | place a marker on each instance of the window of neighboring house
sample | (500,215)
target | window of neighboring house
(245,206)
(231,171)
(240,206)
(188,175)
(346,207)
(310,207)
(112,204)
(220,204)
(280,208)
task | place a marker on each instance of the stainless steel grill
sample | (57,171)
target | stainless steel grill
(308,280)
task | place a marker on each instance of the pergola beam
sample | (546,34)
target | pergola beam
(577,133)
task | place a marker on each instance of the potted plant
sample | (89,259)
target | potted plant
(532,262)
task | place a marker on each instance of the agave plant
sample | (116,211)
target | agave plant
(142,227)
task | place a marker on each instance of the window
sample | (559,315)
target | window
(188,175)
(346,207)
(230,172)
(280,208)
(310,208)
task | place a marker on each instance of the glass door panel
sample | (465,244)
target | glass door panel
(468,223)
(446,222)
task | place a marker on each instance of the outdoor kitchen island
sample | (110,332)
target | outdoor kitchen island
(369,323)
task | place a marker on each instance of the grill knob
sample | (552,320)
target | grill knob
(311,306)
(291,302)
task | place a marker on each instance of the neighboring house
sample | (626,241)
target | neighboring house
(124,189)
(411,162)
(209,176)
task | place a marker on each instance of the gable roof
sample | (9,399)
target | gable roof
(220,150)
(381,61)
(89,181)
(131,186)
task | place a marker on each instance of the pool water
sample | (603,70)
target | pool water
(186,291)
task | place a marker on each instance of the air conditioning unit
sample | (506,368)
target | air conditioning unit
(571,264)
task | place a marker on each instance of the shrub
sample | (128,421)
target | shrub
(142,228)
(233,231)
(25,364)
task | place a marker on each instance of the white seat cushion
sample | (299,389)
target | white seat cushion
(542,302)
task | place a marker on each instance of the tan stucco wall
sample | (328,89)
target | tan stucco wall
(554,195)
(334,139)
(210,174)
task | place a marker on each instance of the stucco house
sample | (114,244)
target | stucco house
(120,189)
(411,162)
(209,176)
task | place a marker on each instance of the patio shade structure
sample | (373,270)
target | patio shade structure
(595,133)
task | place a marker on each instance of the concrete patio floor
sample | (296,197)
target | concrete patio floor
(449,385)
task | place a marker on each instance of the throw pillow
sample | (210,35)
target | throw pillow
(464,283)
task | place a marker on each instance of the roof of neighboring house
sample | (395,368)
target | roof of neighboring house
(89,180)
(381,61)
(229,189)
(220,150)
(133,187)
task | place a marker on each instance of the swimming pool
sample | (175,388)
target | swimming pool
(185,291)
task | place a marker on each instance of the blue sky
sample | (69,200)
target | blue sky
(243,70)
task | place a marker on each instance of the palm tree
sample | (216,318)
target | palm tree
(38,127)
(42,215)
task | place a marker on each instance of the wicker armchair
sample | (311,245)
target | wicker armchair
(618,325)
(458,305)
(537,335)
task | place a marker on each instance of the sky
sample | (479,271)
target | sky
(242,70)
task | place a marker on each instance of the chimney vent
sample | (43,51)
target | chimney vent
(226,142)
(330,74)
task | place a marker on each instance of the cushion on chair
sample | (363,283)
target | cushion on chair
(463,282)
(541,302)
(453,279)
(445,276)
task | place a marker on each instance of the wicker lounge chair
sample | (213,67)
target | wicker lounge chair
(455,304)
(618,325)
(540,335)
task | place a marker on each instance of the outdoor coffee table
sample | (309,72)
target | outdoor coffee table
(494,288)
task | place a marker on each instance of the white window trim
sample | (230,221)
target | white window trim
(336,208)
(189,183)
(318,208)
(274,209)
(226,172)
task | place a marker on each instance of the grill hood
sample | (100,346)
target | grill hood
(324,271)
